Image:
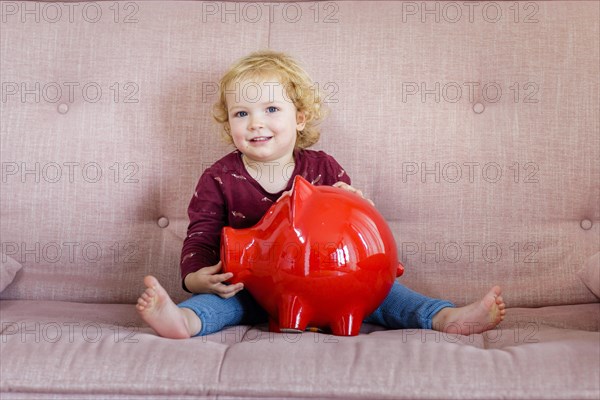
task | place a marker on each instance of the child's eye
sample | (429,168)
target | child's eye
(240,114)
(272,109)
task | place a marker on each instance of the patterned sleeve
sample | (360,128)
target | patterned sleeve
(335,172)
(207,212)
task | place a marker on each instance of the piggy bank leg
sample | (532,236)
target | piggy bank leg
(348,324)
(293,315)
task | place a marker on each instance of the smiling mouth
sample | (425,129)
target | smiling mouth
(261,139)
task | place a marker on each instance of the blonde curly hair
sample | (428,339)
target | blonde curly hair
(263,66)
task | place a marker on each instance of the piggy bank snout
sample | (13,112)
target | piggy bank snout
(232,251)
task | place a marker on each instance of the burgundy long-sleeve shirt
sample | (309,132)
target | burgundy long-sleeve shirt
(227,195)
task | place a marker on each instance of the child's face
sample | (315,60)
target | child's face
(263,120)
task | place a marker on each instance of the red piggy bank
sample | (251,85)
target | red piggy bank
(322,257)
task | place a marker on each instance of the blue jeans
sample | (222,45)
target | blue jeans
(401,309)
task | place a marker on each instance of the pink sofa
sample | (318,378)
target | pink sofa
(474,127)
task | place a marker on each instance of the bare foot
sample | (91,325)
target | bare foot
(477,317)
(162,314)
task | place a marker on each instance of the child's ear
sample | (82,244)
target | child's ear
(300,120)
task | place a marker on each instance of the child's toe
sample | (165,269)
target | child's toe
(148,294)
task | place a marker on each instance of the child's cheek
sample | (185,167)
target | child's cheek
(235,125)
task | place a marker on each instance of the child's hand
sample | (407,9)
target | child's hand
(344,185)
(208,280)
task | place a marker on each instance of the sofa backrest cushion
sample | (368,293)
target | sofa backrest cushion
(473,129)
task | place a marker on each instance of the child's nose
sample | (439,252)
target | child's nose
(255,122)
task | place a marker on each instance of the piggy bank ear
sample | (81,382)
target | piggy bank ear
(301,191)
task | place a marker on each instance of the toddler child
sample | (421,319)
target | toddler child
(269,109)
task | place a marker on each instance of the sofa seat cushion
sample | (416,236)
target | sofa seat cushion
(73,350)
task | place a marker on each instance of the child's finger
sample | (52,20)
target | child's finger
(220,278)
(227,291)
(345,186)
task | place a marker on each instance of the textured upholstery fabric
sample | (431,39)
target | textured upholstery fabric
(477,137)
(590,274)
(8,269)
(102,174)
(250,362)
